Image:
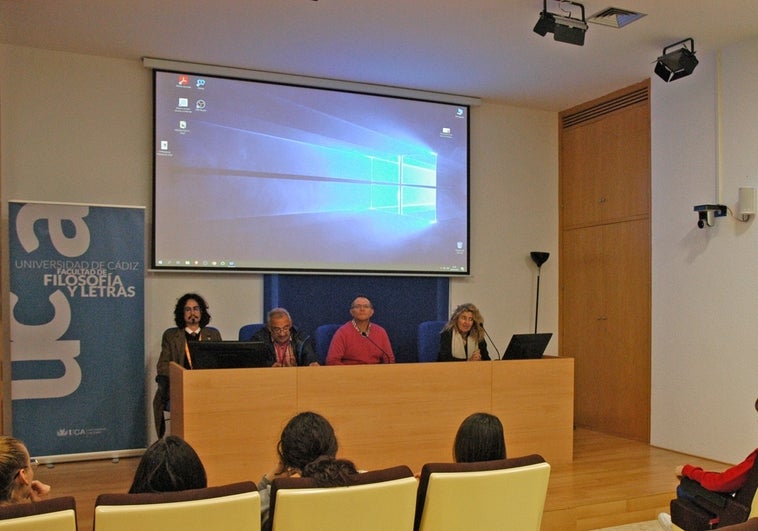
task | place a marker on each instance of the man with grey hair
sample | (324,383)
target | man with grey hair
(286,346)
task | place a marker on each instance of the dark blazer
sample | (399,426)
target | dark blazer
(446,347)
(172,349)
(302,346)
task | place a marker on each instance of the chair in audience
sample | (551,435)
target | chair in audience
(232,507)
(322,338)
(502,494)
(247,331)
(380,500)
(718,510)
(55,514)
(428,340)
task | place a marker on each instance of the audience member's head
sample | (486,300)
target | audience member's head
(330,472)
(191,308)
(17,483)
(169,465)
(305,438)
(480,437)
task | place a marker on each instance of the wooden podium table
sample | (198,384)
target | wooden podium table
(383,415)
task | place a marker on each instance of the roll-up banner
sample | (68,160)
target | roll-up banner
(77,329)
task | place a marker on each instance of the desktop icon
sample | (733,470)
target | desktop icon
(183,102)
(200,83)
(182,124)
(183,80)
(164,145)
(200,104)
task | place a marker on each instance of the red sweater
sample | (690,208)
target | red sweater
(729,480)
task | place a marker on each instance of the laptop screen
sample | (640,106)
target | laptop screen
(228,354)
(527,346)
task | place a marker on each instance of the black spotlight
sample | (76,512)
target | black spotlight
(563,28)
(676,64)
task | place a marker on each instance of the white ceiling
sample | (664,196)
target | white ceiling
(483,48)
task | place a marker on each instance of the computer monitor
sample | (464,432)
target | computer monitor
(527,346)
(228,354)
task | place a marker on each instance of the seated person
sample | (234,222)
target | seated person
(329,471)
(191,318)
(17,474)
(360,341)
(307,437)
(286,346)
(462,338)
(169,465)
(726,482)
(480,438)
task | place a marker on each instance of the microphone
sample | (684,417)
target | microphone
(481,325)
(385,357)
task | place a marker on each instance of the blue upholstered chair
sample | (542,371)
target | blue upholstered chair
(428,340)
(247,331)
(322,338)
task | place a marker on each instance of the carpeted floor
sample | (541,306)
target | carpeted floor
(652,525)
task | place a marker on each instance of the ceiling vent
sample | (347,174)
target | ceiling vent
(615,17)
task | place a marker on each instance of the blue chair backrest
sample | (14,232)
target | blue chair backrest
(429,340)
(247,331)
(323,337)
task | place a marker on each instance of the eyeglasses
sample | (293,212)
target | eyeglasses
(283,329)
(188,309)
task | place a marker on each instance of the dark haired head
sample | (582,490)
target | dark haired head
(305,438)
(169,465)
(205,317)
(327,471)
(480,438)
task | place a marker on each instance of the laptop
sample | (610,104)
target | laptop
(228,354)
(527,346)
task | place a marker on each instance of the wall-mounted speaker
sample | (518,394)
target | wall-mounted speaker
(747,204)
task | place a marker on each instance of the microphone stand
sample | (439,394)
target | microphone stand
(481,325)
(385,356)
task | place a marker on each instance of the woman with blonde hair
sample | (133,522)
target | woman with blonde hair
(462,338)
(17,483)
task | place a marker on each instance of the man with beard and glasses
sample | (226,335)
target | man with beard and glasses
(191,317)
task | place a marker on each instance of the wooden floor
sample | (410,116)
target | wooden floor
(612,481)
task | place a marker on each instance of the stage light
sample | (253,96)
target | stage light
(563,28)
(676,64)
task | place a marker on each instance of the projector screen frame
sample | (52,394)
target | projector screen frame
(193,69)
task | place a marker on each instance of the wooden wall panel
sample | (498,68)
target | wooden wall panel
(605,259)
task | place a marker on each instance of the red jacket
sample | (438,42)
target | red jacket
(730,480)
